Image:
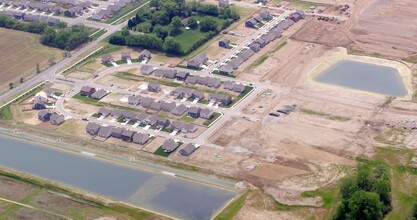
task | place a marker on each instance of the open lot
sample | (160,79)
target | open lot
(20,52)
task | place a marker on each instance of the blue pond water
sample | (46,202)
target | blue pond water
(169,195)
(364,76)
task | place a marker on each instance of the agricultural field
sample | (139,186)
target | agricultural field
(20,52)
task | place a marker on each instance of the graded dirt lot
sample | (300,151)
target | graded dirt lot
(375,27)
(20,52)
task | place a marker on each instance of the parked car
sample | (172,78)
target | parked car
(284,111)
(274,114)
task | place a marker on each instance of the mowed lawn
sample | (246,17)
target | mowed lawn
(20,52)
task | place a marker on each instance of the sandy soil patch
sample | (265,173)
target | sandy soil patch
(154,145)
(14,190)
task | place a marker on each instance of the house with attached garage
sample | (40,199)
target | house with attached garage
(155,106)
(265,15)
(188,150)
(92,128)
(188,128)
(176,125)
(145,55)
(141,118)
(116,113)
(201,80)
(238,88)
(251,23)
(57,119)
(169,146)
(134,100)
(226,69)
(39,102)
(206,113)
(127,135)
(182,75)
(167,106)
(99,94)
(194,112)
(154,87)
(170,74)
(235,62)
(146,69)
(213,82)
(117,132)
(104,112)
(220,98)
(126,55)
(224,43)
(191,80)
(140,138)
(255,47)
(197,61)
(107,58)
(228,85)
(87,91)
(182,92)
(179,110)
(105,132)
(129,116)
(146,102)
(197,95)
(44,115)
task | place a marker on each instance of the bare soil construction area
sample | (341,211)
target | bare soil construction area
(376,26)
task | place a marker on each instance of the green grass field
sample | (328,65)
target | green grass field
(20,52)
(208,122)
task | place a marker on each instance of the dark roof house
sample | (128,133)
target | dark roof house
(169,146)
(206,113)
(224,43)
(99,94)
(154,87)
(140,138)
(92,128)
(44,115)
(188,150)
(57,119)
(179,110)
(197,61)
(87,91)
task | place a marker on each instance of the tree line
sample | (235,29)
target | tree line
(366,195)
(59,36)
(163,22)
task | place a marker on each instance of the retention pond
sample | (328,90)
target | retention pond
(172,196)
(364,76)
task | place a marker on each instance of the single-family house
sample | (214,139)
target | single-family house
(154,87)
(194,112)
(226,69)
(146,102)
(117,132)
(170,73)
(224,43)
(189,128)
(129,116)
(127,135)
(201,80)
(39,102)
(92,128)
(195,94)
(182,92)
(238,88)
(265,15)
(182,75)
(44,115)
(169,146)
(53,21)
(145,55)
(261,42)
(206,113)
(167,106)
(255,47)
(213,82)
(251,23)
(246,54)
(99,94)
(179,110)
(184,21)
(191,80)
(146,69)
(104,112)
(262,1)
(87,91)
(125,55)
(105,132)
(57,119)
(107,58)
(197,61)
(235,62)
(228,85)
(220,98)
(134,100)
(140,138)
(116,113)
(155,106)
(188,150)
(141,118)
(176,125)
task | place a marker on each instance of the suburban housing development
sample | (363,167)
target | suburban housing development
(211,109)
